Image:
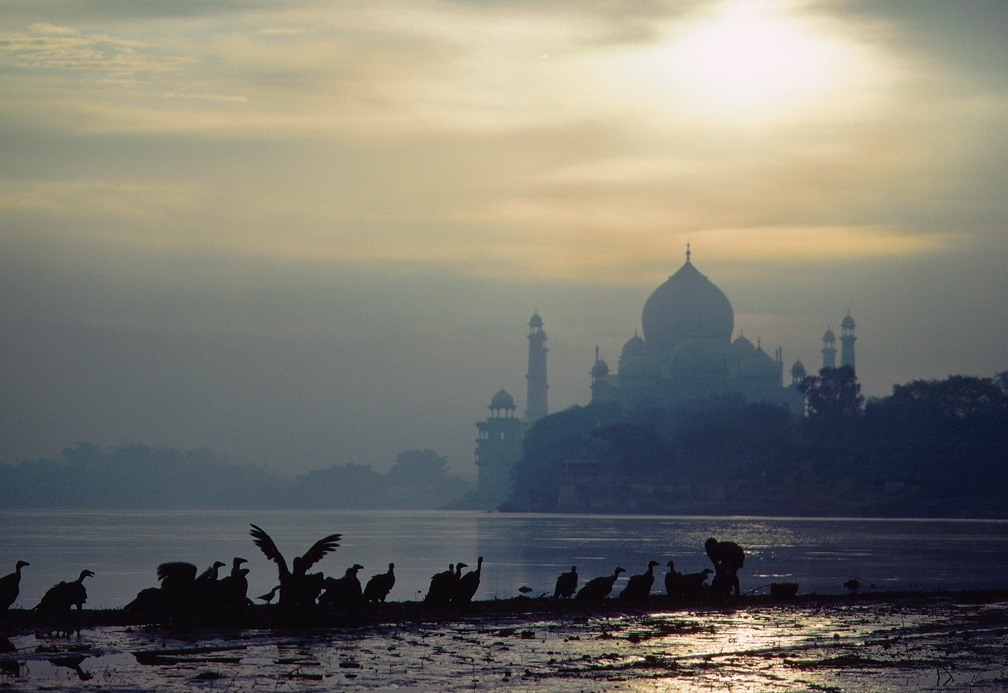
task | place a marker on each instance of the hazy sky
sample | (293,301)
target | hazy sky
(310,233)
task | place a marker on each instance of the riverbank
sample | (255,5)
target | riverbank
(265,616)
(875,641)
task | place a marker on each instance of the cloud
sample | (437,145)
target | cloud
(220,179)
(49,48)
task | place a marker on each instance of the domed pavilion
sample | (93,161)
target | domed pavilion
(687,352)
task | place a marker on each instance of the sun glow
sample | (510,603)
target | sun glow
(750,62)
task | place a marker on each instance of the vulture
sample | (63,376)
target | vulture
(599,588)
(10,586)
(298,588)
(673,582)
(379,586)
(566,584)
(178,587)
(638,587)
(59,598)
(693,583)
(468,584)
(232,589)
(442,585)
(344,593)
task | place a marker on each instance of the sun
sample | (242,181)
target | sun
(749,60)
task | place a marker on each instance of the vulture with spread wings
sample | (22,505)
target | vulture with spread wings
(298,588)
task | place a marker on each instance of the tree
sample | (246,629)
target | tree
(943,409)
(563,435)
(421,467)
(833,396)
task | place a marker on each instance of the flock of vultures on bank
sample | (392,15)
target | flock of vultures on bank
(184,595)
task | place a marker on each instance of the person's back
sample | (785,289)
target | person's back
(727,557)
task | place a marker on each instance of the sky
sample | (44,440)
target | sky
(312,233)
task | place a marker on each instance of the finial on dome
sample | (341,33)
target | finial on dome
(596,353)
(687,252)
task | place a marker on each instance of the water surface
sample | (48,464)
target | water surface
(124,548)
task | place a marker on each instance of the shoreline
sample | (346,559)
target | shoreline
(893,641)
(412,613)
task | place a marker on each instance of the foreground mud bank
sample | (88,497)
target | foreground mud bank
(413,612)
(885,641)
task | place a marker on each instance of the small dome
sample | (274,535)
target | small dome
(848,323)
(502,400)
(829,336)
(798,369)
(633,347)
(600,369)
(535,320)
(741,349)
(634,361)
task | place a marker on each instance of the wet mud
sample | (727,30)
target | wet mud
(894,642)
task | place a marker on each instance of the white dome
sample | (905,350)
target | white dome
(686,305)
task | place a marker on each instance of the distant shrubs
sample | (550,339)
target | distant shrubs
(139,477)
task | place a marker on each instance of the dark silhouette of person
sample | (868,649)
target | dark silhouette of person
(727,557)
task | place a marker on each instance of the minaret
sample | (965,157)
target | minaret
(847,339)
(535,405)
(797,374)
(599,377)
(498,447)
(829,349)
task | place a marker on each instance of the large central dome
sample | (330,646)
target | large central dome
(686,305)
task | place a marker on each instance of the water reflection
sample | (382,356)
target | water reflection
(798,647)
(123,549)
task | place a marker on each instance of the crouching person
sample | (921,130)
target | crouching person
(727,557)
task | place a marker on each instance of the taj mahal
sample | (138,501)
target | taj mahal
(686,353)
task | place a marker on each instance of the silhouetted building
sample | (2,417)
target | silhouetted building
(498,447)
(687,353)
(847,339)
(499,444)
(829,349)
(797,373)
(536,405)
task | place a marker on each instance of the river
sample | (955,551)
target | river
(124,548)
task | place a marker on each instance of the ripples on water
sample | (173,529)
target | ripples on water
(124,548)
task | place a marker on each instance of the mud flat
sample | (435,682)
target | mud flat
(882,641)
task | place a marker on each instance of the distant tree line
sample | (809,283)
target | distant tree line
(139,477)
(932,448)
